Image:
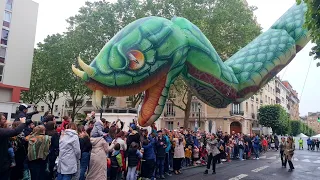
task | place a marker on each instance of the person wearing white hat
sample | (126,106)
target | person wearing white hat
(23,112)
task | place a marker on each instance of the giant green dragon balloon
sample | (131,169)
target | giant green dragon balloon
(150,53)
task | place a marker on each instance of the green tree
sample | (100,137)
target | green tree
(296,127)
(275,117)
(313,24)
(51,62)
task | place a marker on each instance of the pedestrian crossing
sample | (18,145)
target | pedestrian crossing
(296,158)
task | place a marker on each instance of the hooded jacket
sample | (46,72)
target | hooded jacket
(97,130)
(69,152)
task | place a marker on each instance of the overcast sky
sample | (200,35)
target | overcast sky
(53,13)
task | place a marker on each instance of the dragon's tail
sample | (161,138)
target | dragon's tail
(259,61)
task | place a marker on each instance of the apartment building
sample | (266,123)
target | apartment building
(312,121)
(18,28)
(293,101)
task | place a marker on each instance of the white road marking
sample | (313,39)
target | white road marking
(263,157)
(260,169)
(306,160)
(298,166)
(296,159)
(239,177)
(318,158)
(319,168)
(273,157)
(318,161)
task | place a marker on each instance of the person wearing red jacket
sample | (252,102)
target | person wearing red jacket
(65,122)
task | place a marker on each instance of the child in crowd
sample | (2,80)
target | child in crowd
(134,155)
(116,163)
(195,155)
(264,145)
(203,155)
(188,155)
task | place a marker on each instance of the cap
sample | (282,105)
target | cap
(23,107)
(133,126)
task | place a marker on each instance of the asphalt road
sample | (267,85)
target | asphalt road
(268,167)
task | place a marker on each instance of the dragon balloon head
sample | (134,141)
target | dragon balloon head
(132,62)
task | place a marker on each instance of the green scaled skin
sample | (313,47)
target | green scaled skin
(150,53)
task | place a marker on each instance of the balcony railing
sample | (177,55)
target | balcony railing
(169,114)
(278,101)
(239,113)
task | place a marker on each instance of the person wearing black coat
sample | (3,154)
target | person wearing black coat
(133,159)
(5,134)
(134,136)
(54,147)
(161,154)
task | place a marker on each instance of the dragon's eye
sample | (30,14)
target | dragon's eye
(136,59)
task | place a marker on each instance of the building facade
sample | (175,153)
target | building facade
(312,121)
(18,28)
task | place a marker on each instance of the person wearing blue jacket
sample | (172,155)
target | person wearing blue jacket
(309,143)
(195,140)
(256,146)
(149,157)
(167,158)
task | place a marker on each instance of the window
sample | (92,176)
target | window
(42,108)
(194,106)
(4,37)
(266,98)
(2,54)
(9,5)
(56,108)
(170,109)
(235,108)
(170,125)
(7,19)
(1,72)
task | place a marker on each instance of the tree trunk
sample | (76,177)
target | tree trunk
(73,114)
(187,110)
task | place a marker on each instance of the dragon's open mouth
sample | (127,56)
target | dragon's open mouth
(152,85)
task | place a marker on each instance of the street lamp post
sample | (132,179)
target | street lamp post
(199,108)
(101,110)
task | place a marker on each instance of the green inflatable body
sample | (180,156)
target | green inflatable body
(150,53)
